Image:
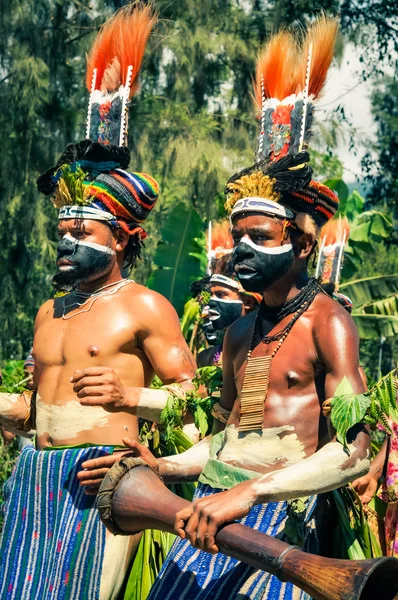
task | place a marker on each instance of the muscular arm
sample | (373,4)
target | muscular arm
(337,345)
(170,357)
(161,339)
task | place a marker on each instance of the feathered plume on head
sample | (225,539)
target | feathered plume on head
(290,76)
(334,236)
(113,65)
(90,179)
(219,242)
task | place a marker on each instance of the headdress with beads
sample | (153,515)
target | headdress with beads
(90,180)
(290,76)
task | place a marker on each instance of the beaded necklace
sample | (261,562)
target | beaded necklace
(87,299)
(256,380)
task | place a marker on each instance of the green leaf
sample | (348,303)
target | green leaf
(201,421)
(354,205)
(386,306)
(368,290)
(344,388)
(190,316)
(175,267)
(341,189)
(347,410)
(374,326)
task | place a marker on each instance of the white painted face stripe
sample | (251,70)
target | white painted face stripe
(98,247)
(227,301)
(264,250)
(84,212)
(224,280)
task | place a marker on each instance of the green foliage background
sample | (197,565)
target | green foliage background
(191,126)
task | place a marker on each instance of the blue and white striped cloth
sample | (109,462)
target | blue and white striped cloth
(191,574)
(52,542)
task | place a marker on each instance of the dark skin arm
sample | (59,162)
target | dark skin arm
(338,352)
(366,486)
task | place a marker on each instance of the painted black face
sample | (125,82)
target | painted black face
(212,336)
(258,267)
(223,312)
(77,261)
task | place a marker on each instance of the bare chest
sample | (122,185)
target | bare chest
(291,379)
(106,329)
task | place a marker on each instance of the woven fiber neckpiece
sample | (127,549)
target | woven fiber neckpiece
(256,380)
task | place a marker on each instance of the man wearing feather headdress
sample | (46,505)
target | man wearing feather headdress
(271,460)
(53,543)
(222,298)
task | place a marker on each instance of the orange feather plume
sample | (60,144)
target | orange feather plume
(221,236)
(277,66)
(335,230)
(282,64)
(120,43)
(322,35)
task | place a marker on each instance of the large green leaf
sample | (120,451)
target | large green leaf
(368,290)
(354,205)
(386,306)
(369,227)
(190,316)
(374,326)
(175,263)
(341,189)
(348,409)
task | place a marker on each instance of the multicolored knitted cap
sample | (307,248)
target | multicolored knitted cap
(90,180)
(290,76)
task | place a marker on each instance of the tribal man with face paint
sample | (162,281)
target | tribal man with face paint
(228,300)
(279,365)
(96,349)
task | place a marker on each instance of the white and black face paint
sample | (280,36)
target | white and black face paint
(223,312)
(212,336)
(258,267)
(78,260)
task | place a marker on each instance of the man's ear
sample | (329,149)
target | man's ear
(303,245)
(122,238)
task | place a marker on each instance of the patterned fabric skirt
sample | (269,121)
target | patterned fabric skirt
(191,574)
(52,543)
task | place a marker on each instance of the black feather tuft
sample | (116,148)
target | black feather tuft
(86,150)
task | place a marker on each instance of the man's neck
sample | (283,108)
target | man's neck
(285,288)
(92,286)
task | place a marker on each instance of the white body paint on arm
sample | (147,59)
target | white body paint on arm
(151,403)
(188,465)
(13,411)
(326,470)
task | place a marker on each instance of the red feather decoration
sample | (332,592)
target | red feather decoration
(335,230)
(282,64)
(277,66)
(119,44)
(322,34)
(221,236)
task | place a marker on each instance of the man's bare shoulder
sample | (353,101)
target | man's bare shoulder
(44,311)
(333,326)
(148,299)
(327,310)
(150,307)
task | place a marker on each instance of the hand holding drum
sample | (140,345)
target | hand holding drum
(132,498)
